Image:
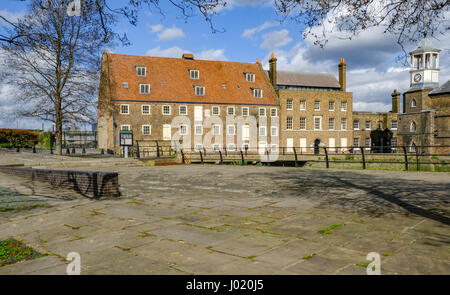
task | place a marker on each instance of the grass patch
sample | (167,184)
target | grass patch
(327,230)
(261,230)
(364,265)
(134,202)
(29,207)
(167,218)
(387,254)
(72,227)
(95,213)
(309,256)
(250,257)
(12,251)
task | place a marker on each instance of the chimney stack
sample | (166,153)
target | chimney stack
(342,74)
(273,70)
(395,102)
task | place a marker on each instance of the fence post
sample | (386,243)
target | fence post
(242,157)
(326,156)
(417,159)
(221,159)
(295,153)
(138,153)
(406,158)
(201,156)
(34,149)
(226,153)
(268,158)
(157,149)
(182,156)
(363,157)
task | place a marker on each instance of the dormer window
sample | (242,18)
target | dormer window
(194,74)
(250,77)
(141,71)
(144,88)
(199,90)
(257,93)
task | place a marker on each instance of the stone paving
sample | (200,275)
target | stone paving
(208,219)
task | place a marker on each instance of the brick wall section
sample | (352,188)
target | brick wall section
(88,184)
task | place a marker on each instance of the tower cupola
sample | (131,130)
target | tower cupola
(424,72)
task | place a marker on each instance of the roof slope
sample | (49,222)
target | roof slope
(445,88)
(169,80)
(307,79)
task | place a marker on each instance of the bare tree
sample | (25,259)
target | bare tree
(52,56)
(410,21)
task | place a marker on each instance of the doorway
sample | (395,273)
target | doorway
(316,147)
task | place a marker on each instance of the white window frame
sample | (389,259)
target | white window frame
(292,123)
(272,133)
(344,106)
(128,109)
(248,111)
(329,104)
(228,129)
(329,123)
(317,102)
(396,123)
(218,126)
(149,109)
(358,143)
(257,93)
(145,71)
(276,112)
(250,77)
(231,147)
(356,123)
(125,125)
(194,74)
(302,104)
(170,110)
(140,88)
(304,118)
(198,147)
(196,131)
(218,110)
(149,129)
(179,110)
(186,132)
(289,104)
(228,111)
(262,128)
(264,113)
(320,122)
(197,89)
(342,121)
(370,125)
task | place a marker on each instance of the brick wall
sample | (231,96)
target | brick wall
(88,184)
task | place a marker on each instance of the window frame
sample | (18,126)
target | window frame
(214,129)
(291,123)
(149,130)
(343,106)
(195,129)
(329,123)
(302,104)
(289,104)
(247,109)
(123,125)
(259,112)
(247,75)
(331,102)
(228,111)
(303,123)
(276,112)
(320,123)
(140,88)
(262,128)
(170,110)
(194,71)
(149,109)
(128,109)
(342,123)
(355,124)
(218,110)
(196,87)
(186,129)
(228,129)
(137,71)
(179,110)
(257,91)
(317,103)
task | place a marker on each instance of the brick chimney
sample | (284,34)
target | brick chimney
(342,74)
(273,70)
(188,56)
(395,102)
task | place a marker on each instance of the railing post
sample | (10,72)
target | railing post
(417,159)
(295,153)
(204,150)
(406,158)
(363,157)
(157,149)
(242,157)
(182,156)
(67,151)
(201,156)
(34,149)
(268,159)
(138,153)
(221,159)
(226,153)
(326,156)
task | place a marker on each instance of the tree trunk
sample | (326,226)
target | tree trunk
(58,123)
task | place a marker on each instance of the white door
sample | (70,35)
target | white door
(198,113)
(289,144)
(167,132)
(246,132)
(343,145)
(331,144)
(303,144)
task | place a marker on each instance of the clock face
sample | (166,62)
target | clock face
(417,77)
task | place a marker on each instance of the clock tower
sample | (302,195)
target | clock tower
(424,71)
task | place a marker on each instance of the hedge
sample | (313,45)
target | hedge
(18,138)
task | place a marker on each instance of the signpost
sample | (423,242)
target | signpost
(126,140)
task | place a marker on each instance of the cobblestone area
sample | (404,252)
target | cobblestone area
(208,219)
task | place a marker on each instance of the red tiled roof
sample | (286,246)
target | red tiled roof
(170,81)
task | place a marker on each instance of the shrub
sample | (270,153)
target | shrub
(18,138)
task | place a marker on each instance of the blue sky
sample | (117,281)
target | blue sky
(253,30)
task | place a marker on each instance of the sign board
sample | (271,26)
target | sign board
(126,137)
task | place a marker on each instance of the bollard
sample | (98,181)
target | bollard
(406,158)
(363,157)
(242,157)
(221,159)
(138,154)
(295,153)
(268,158)
(201,156)
(326,156)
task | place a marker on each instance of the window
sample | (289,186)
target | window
(244,111)
(230,129)
(198,129)
(274,131)
(262,112)
(125,127)
(331,123)
(230,111)
(183,130)
(413,103)
(262,131)
(367,142)
(194,74)
(257,93)
(124,109)
(412,148)
(199,90)
(198,147)
(356,142)
(317,123)
(344,124)
(394,125)
(317,105)
(412,127)
(141,71)
(344,106)
(166,110)
(302,105)
(216,147)
(146,129)
(394,142)
(302,123)
(289,104)
(145,109)
(289,123)
(231,147)
(125,85)
(183,110)
(250,77)
(356,125)
(144,88)
(368,125)
(216,111)
(331,105)
(216,129)
(273,112)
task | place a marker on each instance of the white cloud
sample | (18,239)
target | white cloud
(249,33)
(276,39)
(11,16)
(175,51)
(211,54)
(170,33)
(156,28)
